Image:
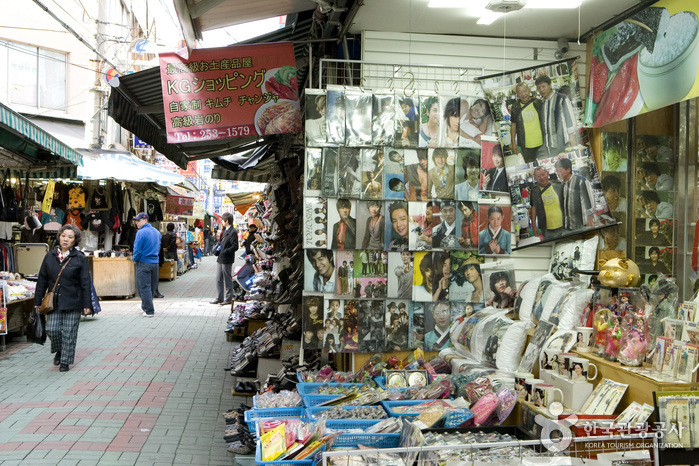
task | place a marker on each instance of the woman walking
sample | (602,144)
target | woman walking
(71,294)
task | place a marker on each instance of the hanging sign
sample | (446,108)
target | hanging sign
(646,62)
(48,197)
(179,205)
(230,92)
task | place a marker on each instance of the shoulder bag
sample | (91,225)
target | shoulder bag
(47,301)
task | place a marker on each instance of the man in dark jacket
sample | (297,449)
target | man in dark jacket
(226,257)
(146,249)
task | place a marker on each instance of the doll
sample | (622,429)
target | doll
(634,344)
(613,339)
(601,330)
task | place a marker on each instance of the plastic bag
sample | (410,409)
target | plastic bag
(37,327)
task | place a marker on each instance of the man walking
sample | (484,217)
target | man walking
(146,249)
(224,262)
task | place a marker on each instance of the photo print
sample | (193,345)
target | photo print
(612,241)
(349,173)
(450,112)
(476,121)
(315,211)
(467,282)
(655,259)
(357,118)
(370,263)
(313,322)
(316,126)
(652,204)
(416,167)
(423,276)
(333,321)
(441,264)
(430,121)
(437,323)
(614,190)
(372,332)
(440,182)
(329,176)
(466,225)
(501,289)
(314,172)
(464,310)
(344,265)
(655,149)
(372,287)
(397,321)
(383,119)
(614,152)
(444,231)
(319,271)
(371,223)
(567,256)
(342,224)
(521,102)
(394,178)
(400,275)
(349,333)
(397,226)
(494,332)
(494,229)
(372,173)
(422,219)
(531,354)
(417,325)
(493,167)
(335,116)
(406,121)
(467,172)
(654,232)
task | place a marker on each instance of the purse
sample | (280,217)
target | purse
(47,301)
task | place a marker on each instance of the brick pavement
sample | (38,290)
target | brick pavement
(142,391)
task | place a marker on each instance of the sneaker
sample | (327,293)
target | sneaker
(145,314)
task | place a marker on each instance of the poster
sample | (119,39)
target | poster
(552,178)
(179,205)
(646,62)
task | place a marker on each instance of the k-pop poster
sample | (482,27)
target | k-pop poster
(551,175)
(314,222)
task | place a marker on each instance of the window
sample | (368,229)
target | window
(35,77)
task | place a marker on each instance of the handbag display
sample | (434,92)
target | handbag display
(47,301)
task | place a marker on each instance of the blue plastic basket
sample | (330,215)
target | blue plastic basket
(258,459)
(312,412)
(368,440)
(254,415)
(310,401)
(387,405)
(254,404)
(305,388)
(344,424)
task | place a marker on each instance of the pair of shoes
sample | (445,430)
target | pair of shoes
(215,301)
(145,314)
(245,387)
(158,295)
(226,303)
(57,358)
(64,368)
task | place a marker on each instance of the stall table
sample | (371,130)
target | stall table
(17,315)
(114,276)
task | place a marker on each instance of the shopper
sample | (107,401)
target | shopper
(252,229)
(226,257)
(72,293)
(146,248)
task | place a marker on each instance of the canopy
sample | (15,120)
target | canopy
(124,166)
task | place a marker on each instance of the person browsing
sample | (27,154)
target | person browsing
(146,249)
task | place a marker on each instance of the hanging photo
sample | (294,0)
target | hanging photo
(372,334)
(423,276)
(335,117)
(384,117)
(441,263)
(450,111)
(400,275)
(467,172)
(342,224)
(430,121)
(614,153)
(652,204)
(653,232)
(612,242)
(444,233)
(372,224)
(494,235)
(319,271)
(476,121)
(655,149)
(397,323)
(417,325)
(493,167)
(406,121)
(655,259)
(372,173)
(416,168)
(394,179)
(464,310)
(344,273)
(315,222)
(467,225)
(422,219)
(501,290)
(615,193)
(333,319)
(441,173)
(316,126)
(397,226)
(313,331)
(349,173)
(357,119)
(314,172)
(349,334)
(329,182)
(467,282)
(494,332)
(536,344)
(370,287)
(437,323)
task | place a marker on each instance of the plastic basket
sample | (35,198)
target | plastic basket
(343,424)
(368,440)
(312,412)
(254,415)
(258,459)
(305,388)
(387,405)
(310,401)
(255,405)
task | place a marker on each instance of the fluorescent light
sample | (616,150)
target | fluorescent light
(489,18)
(553,4)
(448,3)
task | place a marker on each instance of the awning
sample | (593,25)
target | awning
(32,144)
(124,166)
(262,173)
(54,173)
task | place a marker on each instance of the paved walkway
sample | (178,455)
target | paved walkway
(142,391)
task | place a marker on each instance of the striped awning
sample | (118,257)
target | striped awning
(16,123)
(54,173)
(124,166)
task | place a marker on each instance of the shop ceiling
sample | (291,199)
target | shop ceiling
(136,102)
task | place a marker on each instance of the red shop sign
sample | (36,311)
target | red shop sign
(179,205)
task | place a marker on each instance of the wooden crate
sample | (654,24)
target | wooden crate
(168,271)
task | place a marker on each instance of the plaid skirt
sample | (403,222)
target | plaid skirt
(62,330)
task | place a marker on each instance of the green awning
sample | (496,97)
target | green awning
(18,134)
(67,172)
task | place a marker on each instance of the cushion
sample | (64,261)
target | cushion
(576,254)
(547,295)
(511,346)
(569,309)
(526,299)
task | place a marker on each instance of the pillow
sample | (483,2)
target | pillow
(482,332)
(511,346)
(569,309)
(548,293)
(577,254)
(464,335)
(493,332)
(526,299)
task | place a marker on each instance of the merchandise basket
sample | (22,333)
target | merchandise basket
(310,401)
(367,440)
(388,405)
(344,424)
(258,460)
(254,403)
(314,413)
(308,388)
(252,416)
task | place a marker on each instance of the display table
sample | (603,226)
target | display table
(114,276)
(17,315)
(168,271)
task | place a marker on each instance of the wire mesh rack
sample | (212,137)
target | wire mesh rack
(408,79)
(579,448)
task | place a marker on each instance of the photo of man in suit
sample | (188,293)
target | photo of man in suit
(495,179)
(345,230)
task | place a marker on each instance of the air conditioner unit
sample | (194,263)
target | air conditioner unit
(505,6)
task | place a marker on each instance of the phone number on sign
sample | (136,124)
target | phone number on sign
(193,135)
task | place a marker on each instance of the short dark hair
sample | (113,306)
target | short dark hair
(565,163)
(426,262)
(650,167)
(452,108)
(440,152)
(393,183)
(495,209)
(469,161)
(407,101)
(228,217)
(650,196)
(429,102)
(654,249)
(170,227)
(76,231)
(542,79)
(653,221)
(421,154)
(499,149)
(343,204)
(611,182)
(468,204)
(323,252)
(374,202)
(397,205)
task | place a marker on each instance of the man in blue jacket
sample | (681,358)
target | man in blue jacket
(146,248)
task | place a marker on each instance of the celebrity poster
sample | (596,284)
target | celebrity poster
(397,323)
(551,175)
(349,334)
(394,179)
(349,174)
(417,325)
(383,119)
(344,273)
(315,233)
(406,121)
(316,127)
(313,329)
(314,171)
(400,275)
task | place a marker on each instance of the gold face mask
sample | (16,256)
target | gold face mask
(619,272)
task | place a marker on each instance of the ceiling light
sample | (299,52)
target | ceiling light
(449,3)
(489,17)
(553,4)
